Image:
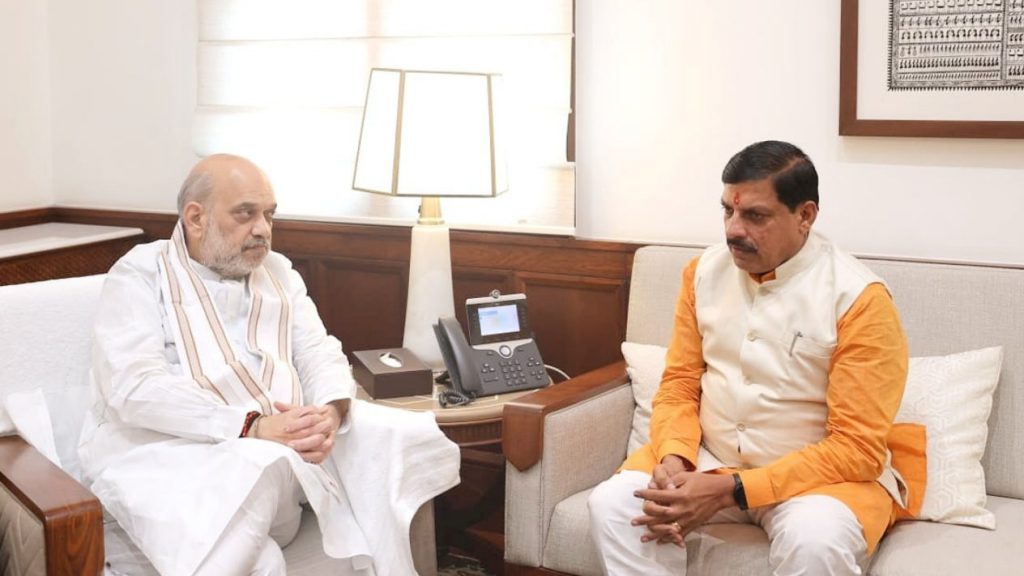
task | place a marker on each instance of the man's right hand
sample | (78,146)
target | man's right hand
(662,475)
(301,428)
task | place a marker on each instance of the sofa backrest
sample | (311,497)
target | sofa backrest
(45,343)
(945,308)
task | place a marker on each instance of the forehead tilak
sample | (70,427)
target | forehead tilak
(736,198)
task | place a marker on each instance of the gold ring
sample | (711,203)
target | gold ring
(678,527)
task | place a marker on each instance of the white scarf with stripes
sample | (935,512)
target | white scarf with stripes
(208,356)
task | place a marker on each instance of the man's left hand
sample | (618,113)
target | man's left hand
(670,515)
(316,440)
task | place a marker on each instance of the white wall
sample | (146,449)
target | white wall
(24,106)
(667,91)
(124,90)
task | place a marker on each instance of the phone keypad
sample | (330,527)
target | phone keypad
(488,372)
(515,373)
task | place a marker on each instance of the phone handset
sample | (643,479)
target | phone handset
(459,360)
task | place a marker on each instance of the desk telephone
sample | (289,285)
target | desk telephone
(500,356)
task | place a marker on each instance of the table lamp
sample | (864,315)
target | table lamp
(430,134)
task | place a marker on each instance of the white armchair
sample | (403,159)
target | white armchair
(51,524)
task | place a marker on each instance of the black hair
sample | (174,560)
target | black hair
(792,173)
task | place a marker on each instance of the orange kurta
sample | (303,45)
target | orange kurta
(866,379)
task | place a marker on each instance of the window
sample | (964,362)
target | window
(283,83)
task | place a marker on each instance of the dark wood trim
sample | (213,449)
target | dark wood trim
(25,217)
(156,225)
(851,125)
(475,434)
(523,438)
(71,515)
(546,240)
(848,30)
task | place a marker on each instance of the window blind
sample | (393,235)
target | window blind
(283,82)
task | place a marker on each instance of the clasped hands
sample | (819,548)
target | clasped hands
(678,500)
(309,430)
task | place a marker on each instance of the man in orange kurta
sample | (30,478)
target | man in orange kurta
(785,371)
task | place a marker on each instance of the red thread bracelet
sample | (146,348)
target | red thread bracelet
(249,419)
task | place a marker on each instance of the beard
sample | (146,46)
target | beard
(228,261)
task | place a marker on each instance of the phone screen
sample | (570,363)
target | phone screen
(499,320)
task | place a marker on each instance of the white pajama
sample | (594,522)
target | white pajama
(267,520)
(811,535)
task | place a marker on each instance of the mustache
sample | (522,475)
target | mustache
(741,245)
(256,243)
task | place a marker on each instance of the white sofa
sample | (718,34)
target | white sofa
(561,441)
(50,524)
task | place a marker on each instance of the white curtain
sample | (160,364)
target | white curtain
(283,83)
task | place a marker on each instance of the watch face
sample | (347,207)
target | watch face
(738,493)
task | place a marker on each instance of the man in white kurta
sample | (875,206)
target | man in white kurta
(221,404)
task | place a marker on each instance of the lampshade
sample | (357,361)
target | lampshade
(431,134)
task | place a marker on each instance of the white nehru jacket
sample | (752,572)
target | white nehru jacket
(768,349)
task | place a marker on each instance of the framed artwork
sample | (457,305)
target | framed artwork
(932,68)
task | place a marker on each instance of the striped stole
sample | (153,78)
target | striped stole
(208,356)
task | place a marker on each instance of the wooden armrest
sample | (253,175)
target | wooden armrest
(523,427)
(72,517)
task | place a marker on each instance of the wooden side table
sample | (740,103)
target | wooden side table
(470,516)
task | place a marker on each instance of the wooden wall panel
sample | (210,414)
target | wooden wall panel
(473,283)
(362,302)
(305,269)
(357,275)
(84,260)
(296,238)
(155,225)
(579,321)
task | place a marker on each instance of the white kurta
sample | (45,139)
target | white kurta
(163,453)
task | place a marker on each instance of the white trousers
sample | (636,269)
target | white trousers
(268,519)
(812,535)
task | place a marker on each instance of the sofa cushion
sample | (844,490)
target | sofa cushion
(644,364)
(45,339)
(910,548)
(304,555)
(916,547)
(948,308)
(716,549)
(712,550)
(569,547)
(952,396)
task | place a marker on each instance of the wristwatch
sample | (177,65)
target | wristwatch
(738,493)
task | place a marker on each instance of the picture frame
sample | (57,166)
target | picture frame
(851,123)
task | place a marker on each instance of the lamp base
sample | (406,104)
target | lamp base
(430,291)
